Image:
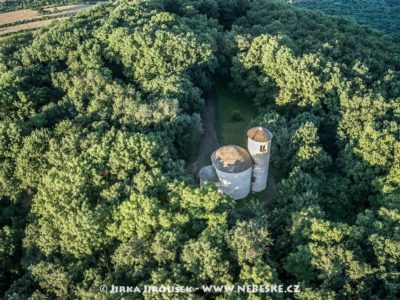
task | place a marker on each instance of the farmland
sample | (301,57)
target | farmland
(28,26)
(29,19)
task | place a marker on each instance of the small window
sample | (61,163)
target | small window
(262,148)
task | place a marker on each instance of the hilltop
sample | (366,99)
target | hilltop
(100,116)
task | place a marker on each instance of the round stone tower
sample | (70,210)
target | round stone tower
(233,165)
(259,145)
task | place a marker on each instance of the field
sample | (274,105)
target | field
(28,26)
(15,16)
(27,19)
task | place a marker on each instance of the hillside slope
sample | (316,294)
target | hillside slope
(383,15)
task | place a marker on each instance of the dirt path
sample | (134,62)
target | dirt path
(209,142)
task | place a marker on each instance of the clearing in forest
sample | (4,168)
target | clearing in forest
(234,113)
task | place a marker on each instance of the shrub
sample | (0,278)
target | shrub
(236,116)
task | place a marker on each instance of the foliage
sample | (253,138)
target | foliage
(98,113)
(334,115)
(236,116)
(381,14)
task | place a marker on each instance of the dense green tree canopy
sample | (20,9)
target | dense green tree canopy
(97,117)
(380,14)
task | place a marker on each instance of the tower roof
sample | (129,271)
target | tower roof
(232,159)
(259,134)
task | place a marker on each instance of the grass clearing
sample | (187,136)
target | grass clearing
(234,113)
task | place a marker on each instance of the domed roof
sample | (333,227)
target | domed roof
(232,159)
(259,134)
(208,173)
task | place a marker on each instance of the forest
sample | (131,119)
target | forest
(97,118)
(383,15)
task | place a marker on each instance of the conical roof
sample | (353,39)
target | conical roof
(259,134)
(232,159)
(208,173)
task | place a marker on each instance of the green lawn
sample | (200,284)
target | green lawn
(230,131)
